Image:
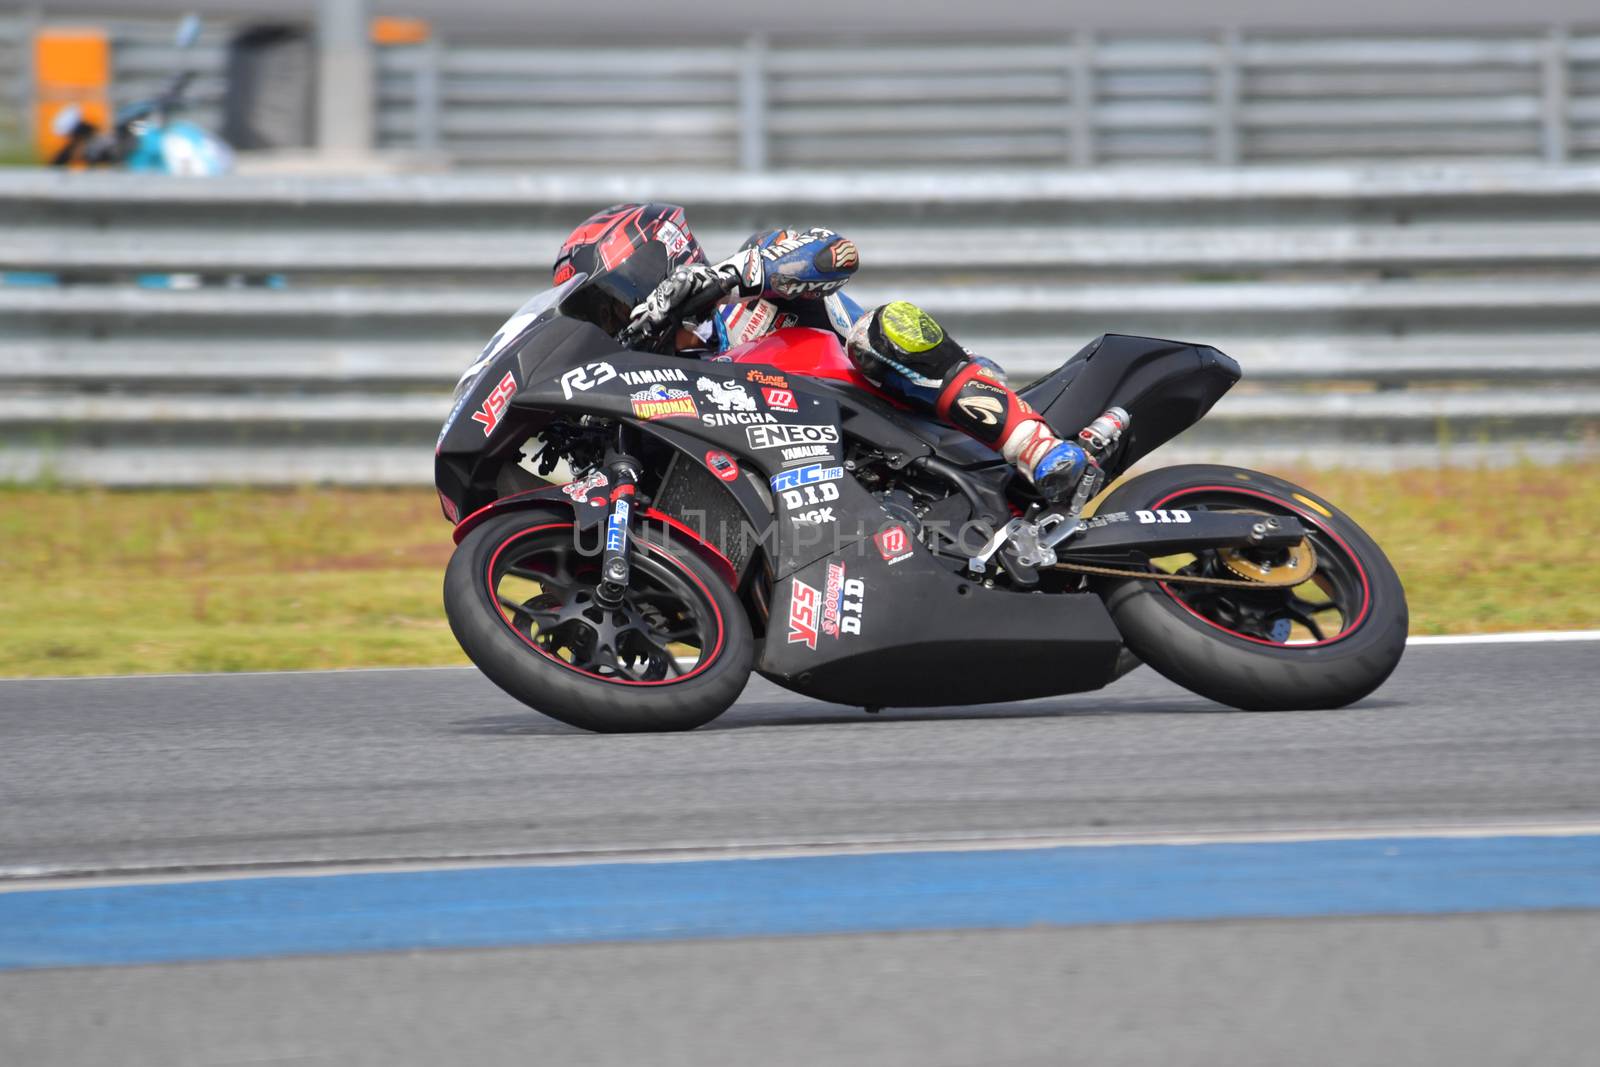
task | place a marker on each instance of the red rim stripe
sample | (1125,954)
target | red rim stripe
(710,600)
(1366,589)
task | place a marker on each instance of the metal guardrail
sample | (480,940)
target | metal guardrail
(1383,316)
(1237,96)
(1086,100)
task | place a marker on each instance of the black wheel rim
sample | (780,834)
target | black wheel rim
(1329,605)
(667,628)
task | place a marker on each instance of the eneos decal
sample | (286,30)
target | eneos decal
(778,436)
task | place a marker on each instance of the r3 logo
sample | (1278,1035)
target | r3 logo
(1176,515)
(586,377)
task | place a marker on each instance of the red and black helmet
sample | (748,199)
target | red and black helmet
(607,238)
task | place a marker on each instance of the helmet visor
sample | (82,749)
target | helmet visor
(607,299)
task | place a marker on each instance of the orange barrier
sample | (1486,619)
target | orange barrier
(72,65)
(393,30)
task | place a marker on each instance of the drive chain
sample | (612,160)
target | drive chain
(1158,576)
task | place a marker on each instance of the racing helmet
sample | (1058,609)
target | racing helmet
(605,248)
(607,238)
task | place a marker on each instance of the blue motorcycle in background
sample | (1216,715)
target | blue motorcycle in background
(146,137)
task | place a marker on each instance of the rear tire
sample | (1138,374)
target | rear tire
(1167,624)
(517,656)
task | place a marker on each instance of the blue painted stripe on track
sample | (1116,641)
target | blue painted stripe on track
(1065,886)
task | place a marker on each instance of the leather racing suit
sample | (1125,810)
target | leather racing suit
(781,278)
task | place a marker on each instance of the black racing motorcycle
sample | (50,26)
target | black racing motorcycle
(638,532)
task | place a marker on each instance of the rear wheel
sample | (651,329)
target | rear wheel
(1320,625)
(522,600)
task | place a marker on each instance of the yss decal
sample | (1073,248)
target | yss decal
(803,613)
(586,377)
(494,405)
(1176,515)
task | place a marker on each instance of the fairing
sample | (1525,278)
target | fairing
(860,611)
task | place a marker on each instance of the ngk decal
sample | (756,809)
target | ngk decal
(494,405)
(802,613)
(814,517)
(842,601)
(894,544)
(779,399)
(586,377)
(778,436)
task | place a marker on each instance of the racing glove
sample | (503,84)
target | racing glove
(686,295)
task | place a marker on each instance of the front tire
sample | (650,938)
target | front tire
(520,599)
(1325,643)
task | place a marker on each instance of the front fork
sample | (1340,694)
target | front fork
(624,471)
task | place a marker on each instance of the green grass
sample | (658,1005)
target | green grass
(95,582)
(99,582)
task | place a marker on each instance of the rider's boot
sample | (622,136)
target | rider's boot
(975,400)
(901,347)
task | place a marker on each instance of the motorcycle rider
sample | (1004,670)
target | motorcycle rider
(784,277)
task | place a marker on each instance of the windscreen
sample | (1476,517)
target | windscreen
(517,325)
(609,298)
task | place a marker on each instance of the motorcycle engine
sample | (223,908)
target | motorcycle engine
(901,507)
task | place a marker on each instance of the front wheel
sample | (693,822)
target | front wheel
(1317,626)
(520,593)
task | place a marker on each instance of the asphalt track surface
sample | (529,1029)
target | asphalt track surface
(261,773)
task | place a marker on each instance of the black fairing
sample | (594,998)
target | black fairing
(852,618)
(1165,386)
(468,453)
